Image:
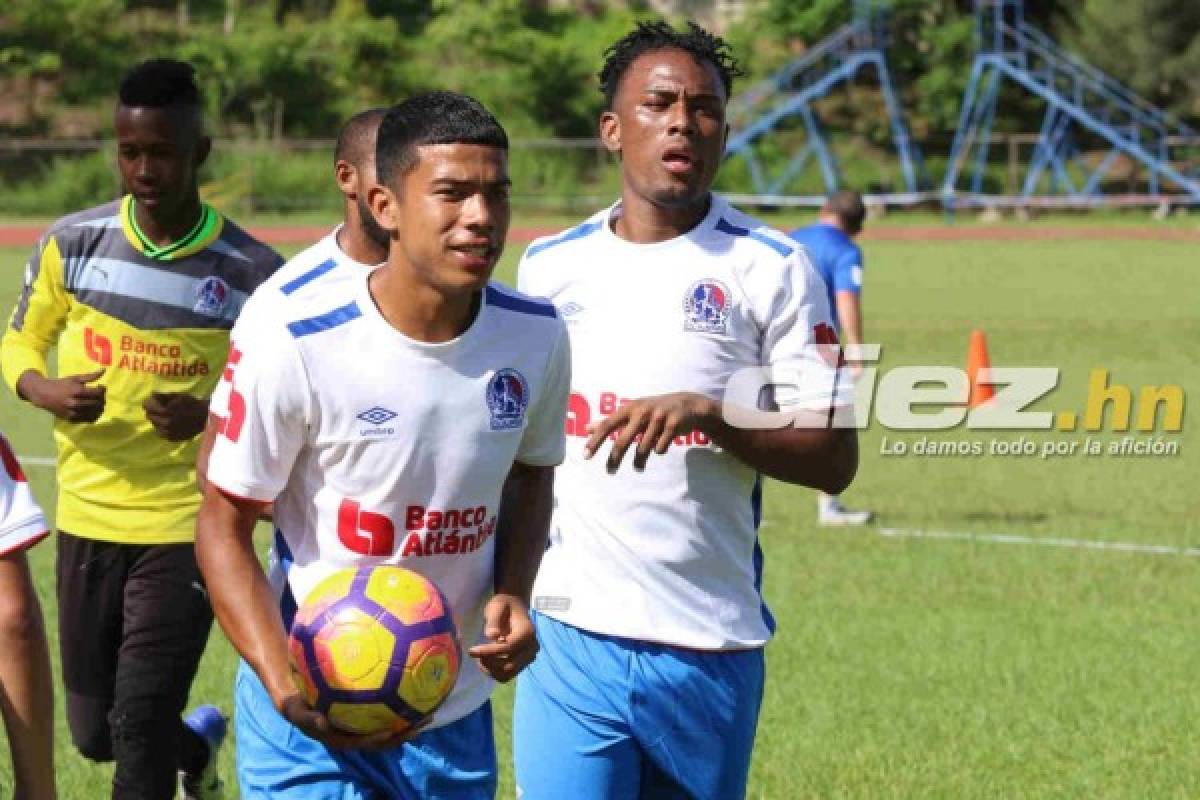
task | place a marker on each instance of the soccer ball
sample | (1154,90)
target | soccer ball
(374,649)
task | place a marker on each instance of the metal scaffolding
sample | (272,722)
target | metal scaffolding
(1080,100)
(792,91)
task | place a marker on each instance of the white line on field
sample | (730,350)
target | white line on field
(961,536)
(1079,544)
(37,461)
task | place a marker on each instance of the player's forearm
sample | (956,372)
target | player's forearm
(522,528)
(207,439)
(28,385)
(820,457)
(849,309)
(28,380)
(19,356)
(241,597)
(26,693)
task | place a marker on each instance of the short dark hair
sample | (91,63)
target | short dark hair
(847,206)
(648,37)
(159,83)
(437,117)
(356,134)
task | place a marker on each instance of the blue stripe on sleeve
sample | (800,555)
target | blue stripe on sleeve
(326,321)
(308,277)
(578,232)
(725,226)
(521,305)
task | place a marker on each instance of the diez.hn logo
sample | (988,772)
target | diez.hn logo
(706,307)
(507,398)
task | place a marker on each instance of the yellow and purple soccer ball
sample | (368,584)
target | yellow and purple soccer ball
(374,648)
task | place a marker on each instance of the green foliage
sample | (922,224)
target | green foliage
(62,185)
(1153,46)
(297,68)
(71,41)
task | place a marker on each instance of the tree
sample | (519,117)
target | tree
(1152,46)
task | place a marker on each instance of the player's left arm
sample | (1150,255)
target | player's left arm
(521,529)
(795,324)
(524,522)
(847,295)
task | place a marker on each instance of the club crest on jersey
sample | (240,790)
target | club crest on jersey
(212,296)
(507,398)
(706,307)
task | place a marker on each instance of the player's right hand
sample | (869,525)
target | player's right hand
(69,398)
(317,726)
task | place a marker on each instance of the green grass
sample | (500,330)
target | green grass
(924,668)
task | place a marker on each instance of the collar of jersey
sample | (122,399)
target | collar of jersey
(366,304)
(716,207)
(206,230)
(343,256)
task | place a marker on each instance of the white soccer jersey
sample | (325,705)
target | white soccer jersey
(322,268)
(670,554)
(378,449)
(22,523)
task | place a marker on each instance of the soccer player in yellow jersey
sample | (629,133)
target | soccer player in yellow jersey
(138,296)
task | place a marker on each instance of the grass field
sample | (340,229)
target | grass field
(922,667)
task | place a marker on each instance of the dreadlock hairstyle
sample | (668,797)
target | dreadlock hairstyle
(648,37)
(159,83)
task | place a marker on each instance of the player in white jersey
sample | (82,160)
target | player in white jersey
(359,243)
(27,707)
(648,601)
(353,248)
(373,415)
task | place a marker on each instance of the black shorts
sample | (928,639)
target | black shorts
(133,623)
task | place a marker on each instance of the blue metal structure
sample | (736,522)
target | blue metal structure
(792,91)
(1080,100)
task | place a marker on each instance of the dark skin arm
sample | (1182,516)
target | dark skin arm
(246,609)
(207,440)
(521,531)
(176,416)
(69,398)
(819,457)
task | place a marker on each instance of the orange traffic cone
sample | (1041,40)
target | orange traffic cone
(977,359)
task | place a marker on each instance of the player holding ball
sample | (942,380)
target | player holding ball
(386,419)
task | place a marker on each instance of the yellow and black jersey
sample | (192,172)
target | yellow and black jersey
(156,320)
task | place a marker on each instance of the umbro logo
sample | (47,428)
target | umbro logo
(570,309)
(376,415)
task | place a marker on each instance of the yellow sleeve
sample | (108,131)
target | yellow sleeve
(39,317)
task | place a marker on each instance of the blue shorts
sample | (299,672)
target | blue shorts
(601,717)
(276,760)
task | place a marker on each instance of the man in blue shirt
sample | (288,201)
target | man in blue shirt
(831,248)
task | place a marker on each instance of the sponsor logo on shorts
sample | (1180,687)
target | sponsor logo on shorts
(551,603)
